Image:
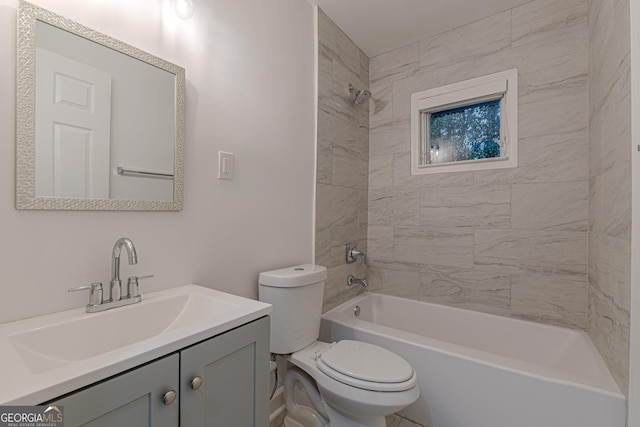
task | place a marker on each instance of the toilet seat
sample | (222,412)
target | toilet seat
(366,366)
(350,396)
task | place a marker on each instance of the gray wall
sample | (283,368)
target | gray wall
(610,183)
(511,242)
(343,159)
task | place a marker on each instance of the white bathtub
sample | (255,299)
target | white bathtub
(480,370)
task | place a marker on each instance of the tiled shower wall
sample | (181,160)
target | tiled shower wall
(343,159)
(610,183)
(512,241)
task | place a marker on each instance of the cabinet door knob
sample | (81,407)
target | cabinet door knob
(196,383)
(169,397)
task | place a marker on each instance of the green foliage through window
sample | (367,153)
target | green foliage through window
(471,132)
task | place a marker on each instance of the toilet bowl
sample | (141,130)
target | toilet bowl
(381,385)
(343,384)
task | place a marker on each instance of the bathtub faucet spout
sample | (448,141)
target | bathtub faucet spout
(352,280)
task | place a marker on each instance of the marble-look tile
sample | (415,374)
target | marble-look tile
(399,283)
(336,290)
(610,268)
(548,158)
(485,291)
(396,64)
(547,19)
(341,102)
(466,206)
(342,211)
(380,207)
(404,181)
(620,181)
(380,172)
(339,219)
(336,209)
(381,104)
(406,208)
(390,136)
(323,247)
(334,43)
(549,300)
(363,140)
(609,45)
(392,275)
(342,76)
(553,109)
(342,149)
(380,244)
(610,184)
(610,125)
(325,76)
(364,68)
(480,38)
(348,231)
(331,302)
(436,75)
(610,202)
(541,64)
(557,253)
(374,277)
(550,206)
(609,329)
(363,212)
(349,169)
(434,246)
(324,160)
(336,129)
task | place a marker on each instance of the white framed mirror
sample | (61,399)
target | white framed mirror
(100,123)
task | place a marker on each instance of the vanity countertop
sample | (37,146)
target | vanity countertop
(44,357)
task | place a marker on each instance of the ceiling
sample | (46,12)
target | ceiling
(378,26)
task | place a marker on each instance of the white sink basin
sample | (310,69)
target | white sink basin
(89,335)
(42,353)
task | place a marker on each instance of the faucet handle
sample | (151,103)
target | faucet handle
(132,282)
(352,253)
(95,292)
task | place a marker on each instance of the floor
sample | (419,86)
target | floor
(392,421)
(397,421)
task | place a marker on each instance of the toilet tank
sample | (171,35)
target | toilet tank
(296,295)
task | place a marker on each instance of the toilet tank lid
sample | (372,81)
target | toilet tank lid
(290,277)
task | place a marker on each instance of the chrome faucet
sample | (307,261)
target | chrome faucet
(116,298)
(115,292)
(352,280)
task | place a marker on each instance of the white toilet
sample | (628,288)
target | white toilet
(343,384)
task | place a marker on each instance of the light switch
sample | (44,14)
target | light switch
(225,165)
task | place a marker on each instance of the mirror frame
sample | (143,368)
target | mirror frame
(28,14)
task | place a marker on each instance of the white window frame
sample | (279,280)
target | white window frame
(503,86)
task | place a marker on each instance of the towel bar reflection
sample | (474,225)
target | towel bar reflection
(142,173)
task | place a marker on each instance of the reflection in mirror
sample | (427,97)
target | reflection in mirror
(103,128)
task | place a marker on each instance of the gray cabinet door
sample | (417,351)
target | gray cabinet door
(235,370)
(133,399)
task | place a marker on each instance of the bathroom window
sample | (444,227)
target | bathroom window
(471,125)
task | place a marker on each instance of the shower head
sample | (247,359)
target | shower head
(361,95)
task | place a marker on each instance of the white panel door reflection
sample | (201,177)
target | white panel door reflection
(73,112)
